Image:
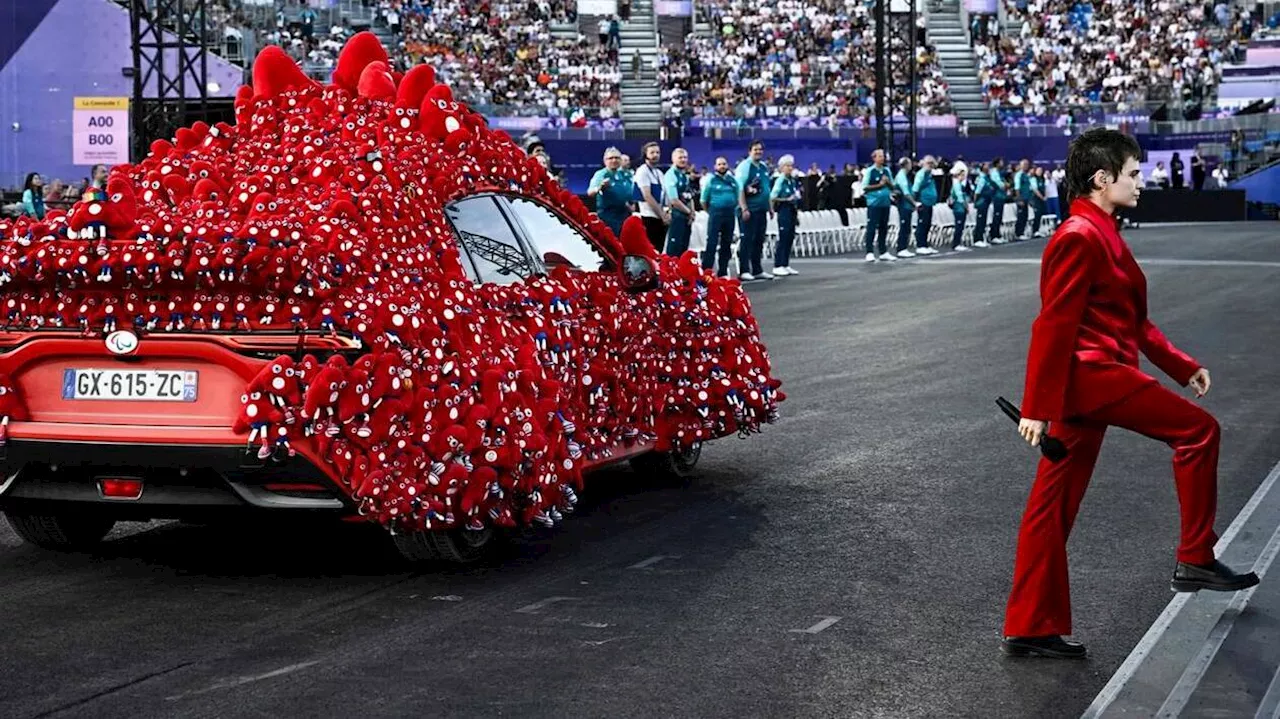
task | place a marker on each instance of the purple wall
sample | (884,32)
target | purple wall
(78,49)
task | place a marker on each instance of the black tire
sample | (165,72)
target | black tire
(66,532)
(678,467)
(457,546)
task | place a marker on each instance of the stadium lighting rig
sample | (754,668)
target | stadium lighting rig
(896,48)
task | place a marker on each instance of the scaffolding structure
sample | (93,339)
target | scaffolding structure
(170,68)
(896,80)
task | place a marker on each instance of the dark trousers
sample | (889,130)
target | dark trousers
(997,217)
(614,221)
(656,229)
(1052,206)
(751,242)
(904,226)
(786,234)
(1036,215)
(1040,603)
(980,220)
(719,237)
(678,233)
(924,223)
(1020,223)
(877,229)
(957,238)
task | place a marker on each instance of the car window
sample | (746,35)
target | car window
(555,240)
(485,235)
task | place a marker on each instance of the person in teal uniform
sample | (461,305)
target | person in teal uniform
(785,199)
(1038,201)
(876,182)
(982,194)
(1022,195)
(679,194)
(1001,193)
(753,213)
(720,197)
(907,204)
(959,201)
(611,186)
(925,190)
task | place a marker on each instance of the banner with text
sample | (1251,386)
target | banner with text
(100,131)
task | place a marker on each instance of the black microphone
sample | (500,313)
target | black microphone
(1051,447)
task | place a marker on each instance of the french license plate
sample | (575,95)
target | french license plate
(162,385)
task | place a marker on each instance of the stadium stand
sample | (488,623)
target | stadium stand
(503,54)
(811,59)
(1068,53)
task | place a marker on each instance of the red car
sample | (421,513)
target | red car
(358,300)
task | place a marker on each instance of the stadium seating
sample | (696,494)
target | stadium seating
(810,59)
(1066,52)
(503,54)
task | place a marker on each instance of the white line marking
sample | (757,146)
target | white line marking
(645,564)
(1269,708)
(1148,641)
(238,681)
(1195,671)
(826,622)
(446,598)
(602,642)
(533,608)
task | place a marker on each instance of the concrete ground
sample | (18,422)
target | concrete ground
(851,561)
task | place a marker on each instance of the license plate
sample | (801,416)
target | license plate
(161,385)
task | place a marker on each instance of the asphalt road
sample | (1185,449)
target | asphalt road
(851,561)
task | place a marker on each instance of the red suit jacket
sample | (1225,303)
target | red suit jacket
(1092,323)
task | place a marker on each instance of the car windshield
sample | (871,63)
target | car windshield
(556,241)
(489,240)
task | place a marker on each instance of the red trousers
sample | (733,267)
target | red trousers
(1040,603)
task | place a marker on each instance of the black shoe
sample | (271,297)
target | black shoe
(1217,577)
(1053,647)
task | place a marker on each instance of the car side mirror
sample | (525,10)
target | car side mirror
(638,273)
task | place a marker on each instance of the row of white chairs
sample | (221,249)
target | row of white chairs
(821,232)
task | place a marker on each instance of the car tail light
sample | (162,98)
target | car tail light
(120,488)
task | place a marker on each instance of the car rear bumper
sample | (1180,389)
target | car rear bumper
(186,472)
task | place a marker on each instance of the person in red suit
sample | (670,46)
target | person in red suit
(1083,376)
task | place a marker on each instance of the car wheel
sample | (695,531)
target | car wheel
(676,466)
(456,546)
(60,531)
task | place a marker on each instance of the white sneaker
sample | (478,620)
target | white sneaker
(981,243)
(998,241)
(906,253)
(764,276)
(790,270)
(888,256)
(926,250)
(963,248)
(1040,234)
(782,271)
(871,257)
(746,277)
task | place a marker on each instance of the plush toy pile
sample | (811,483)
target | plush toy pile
(322,210)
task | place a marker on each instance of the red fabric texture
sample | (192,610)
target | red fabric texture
(1093,323)
(1040,601)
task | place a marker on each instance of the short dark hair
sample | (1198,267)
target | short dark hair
(645,150)
(1096,149)
(753,144)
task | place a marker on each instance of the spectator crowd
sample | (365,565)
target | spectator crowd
(807,58)
(1126,52)
(502,53)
